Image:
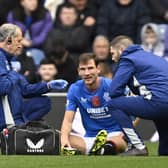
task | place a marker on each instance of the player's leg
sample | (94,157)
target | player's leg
(162,127)
(78,143)
(98,143)
(138,106)
(121,109)
(106,144)
(115,144)
(119,142)
(88,145)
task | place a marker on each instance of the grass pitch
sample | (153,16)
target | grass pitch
(152,161)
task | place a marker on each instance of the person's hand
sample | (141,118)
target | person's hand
(89,21)
(27,73)
(66,148)
(57,84)
(26,43)
(65,142)
(166,15)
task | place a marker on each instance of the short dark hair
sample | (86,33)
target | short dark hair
(47,61)
(149,29)
(85,57)
(69,6)
(121,40)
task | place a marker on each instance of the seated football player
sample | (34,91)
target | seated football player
(103,135)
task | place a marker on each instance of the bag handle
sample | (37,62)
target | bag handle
(38,124)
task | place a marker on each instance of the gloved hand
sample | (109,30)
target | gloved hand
(57,84)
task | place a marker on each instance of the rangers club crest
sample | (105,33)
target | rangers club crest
(96,101)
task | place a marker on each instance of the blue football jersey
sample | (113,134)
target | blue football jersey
(92,106)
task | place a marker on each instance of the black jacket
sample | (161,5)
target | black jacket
(157,10)
(28,68)
(90,10)
(5,7)
(115,19)
(67,71)
(75,38)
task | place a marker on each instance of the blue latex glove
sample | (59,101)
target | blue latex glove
(57,84)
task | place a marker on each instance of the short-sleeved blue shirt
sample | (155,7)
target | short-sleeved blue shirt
(92,106)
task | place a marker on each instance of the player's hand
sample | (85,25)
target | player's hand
(65,142)
(57,84)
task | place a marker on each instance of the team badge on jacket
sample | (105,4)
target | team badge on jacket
(96,101)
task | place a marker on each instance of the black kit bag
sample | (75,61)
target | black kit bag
(34,138)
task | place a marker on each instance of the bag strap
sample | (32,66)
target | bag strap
(38,124)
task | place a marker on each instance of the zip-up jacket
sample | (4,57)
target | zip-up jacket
(13,88)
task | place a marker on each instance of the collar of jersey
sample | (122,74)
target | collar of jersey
(92,92)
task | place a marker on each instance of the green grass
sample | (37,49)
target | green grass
(153,161)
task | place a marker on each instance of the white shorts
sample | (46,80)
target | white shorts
(89,141)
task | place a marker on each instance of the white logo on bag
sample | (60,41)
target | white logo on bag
(35,147)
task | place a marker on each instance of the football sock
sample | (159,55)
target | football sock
(125,123)
(109,149)
(134,138)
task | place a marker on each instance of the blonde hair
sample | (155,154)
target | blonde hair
(121,41)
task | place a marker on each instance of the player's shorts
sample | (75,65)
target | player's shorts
(89,141)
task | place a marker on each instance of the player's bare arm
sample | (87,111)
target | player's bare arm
(66,128)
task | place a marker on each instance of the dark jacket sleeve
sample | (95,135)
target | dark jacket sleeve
(156,7)
(27,65)
(35,108)
(78,39)
(143,17)
(5,7)
(124,73)
(32,90)
(7,78)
